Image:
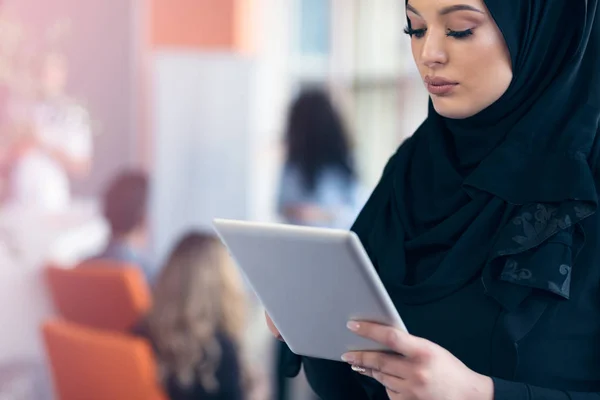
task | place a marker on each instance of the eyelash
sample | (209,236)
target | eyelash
(419,33)
(460,34)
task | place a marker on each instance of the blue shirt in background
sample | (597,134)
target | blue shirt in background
(333,192)
(117,250)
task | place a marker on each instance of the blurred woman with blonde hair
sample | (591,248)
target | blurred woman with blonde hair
(197,322)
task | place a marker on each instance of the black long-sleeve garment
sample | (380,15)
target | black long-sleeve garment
(534,343)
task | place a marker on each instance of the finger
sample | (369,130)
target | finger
(393,338)
(391,364)
(392,384)
(272,328)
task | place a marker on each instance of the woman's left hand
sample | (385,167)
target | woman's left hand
(424,371)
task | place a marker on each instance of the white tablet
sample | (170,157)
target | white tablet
(311,281)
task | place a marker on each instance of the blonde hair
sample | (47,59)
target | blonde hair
(197,296)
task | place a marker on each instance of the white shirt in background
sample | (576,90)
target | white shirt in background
(39,180)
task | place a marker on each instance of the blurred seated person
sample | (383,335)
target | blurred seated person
(125,207)
(197,322)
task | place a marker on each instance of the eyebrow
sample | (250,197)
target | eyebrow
(448,10)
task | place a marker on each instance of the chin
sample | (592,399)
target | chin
(452,108)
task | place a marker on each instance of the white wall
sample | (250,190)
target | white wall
(202,139)
(257,92)
(272,91)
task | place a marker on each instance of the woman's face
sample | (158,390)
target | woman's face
(460,53)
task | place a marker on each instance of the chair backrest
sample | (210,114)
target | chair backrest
(92,364)
(100,294)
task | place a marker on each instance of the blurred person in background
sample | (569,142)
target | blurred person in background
(196,324)
(58,146)
(125,207)
(318,183)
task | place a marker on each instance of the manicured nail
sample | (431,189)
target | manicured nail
(358,369)
(353,326)
(348,358)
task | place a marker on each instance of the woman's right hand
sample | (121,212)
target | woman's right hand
(272,327)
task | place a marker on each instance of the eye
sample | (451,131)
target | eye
(417,33)
(459,34)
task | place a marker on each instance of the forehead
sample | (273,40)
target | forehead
(438,5)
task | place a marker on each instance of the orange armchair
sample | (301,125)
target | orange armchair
(94,365)
(101,294)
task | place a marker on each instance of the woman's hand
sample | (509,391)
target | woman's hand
(424,371)
(272,327)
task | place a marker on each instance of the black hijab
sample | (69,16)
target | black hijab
(500,195)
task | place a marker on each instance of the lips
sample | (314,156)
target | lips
(439,86)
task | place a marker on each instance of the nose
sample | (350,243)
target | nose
(433,52)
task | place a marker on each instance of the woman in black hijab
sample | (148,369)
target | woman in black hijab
(484,227)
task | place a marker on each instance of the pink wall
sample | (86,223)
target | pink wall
(103,71)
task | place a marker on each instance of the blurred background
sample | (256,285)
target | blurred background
(197,96)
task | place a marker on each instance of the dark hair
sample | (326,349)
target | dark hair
(316,137)
(125,202)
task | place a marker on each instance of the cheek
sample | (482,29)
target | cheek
(493,49)
(477,64)
(500,73)
(486,68)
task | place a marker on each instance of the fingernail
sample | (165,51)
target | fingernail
(358,369)
(348,358)
(353,326)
